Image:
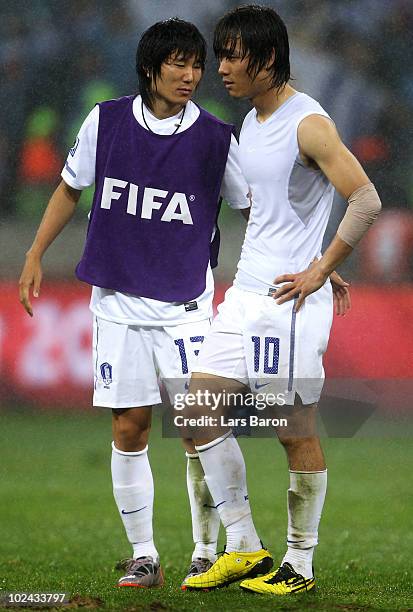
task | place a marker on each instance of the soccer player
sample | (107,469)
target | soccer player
(273,326)
(159,164)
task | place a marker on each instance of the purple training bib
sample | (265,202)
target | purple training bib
(155,205)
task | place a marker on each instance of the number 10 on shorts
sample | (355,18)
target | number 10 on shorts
(271,353)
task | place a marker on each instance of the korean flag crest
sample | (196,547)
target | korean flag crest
(106,372)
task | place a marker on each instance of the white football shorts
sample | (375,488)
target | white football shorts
(128,358)
(269,347)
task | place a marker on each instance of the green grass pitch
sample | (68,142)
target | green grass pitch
(60,530)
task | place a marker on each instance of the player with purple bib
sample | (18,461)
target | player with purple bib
(160,165)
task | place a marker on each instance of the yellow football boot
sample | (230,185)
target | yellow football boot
(284,581)
(231,567)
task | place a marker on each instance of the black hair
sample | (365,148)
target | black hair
(261,33)
(158,43)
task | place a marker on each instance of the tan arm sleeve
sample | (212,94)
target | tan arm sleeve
(363,208)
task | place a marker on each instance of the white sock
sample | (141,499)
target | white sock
(133,493)
(225,475)
(205,518)
(305,503)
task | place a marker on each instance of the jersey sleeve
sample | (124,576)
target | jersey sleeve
(234,188)
(79,169)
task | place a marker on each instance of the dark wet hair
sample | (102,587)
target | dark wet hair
(158,43)
(261,32)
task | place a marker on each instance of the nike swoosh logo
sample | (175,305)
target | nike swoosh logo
(257,386)
(133,511)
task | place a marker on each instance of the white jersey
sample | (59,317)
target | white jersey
(291,202)
(79,173)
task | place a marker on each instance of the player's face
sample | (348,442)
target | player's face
(233,69)
(178,80)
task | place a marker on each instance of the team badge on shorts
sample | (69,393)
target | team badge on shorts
(106,372)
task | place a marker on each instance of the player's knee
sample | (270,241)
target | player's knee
(297,443)
(129,435)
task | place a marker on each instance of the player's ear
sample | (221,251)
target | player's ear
(151,78)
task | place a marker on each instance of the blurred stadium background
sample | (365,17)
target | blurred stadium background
(57,59)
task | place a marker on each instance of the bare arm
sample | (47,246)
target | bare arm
(319,141)
(58,213)
(321,145)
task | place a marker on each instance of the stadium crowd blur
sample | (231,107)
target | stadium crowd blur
(58,58)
